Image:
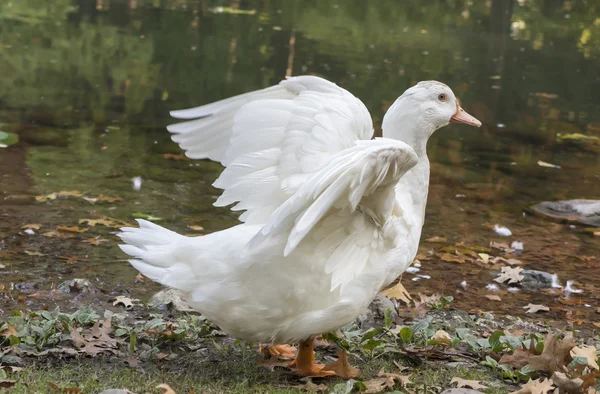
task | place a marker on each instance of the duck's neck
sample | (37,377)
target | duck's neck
(408,126)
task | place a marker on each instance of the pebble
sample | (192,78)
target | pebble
(503,231)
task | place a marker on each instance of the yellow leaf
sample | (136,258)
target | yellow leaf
(442,337)
(33,226)
(493,297)
(166,389)
(72,229)
(398,292)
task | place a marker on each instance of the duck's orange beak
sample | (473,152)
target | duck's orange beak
(461,116)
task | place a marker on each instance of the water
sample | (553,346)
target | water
(87,87)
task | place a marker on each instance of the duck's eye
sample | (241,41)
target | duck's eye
(442,97)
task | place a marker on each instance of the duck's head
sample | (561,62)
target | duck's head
(422,109)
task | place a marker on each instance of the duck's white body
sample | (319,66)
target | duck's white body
(331,215)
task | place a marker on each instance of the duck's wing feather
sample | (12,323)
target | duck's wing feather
(272,140)
(361,177)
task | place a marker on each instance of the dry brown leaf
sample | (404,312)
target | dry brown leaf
(533,308)
(493,297)
(61,194)
(398,292)
(11,330)
(33,226)
(535,387)
(510,274)
(7,383)
(68,390)
(484,257)
(72,229)
(377,385)
(98,341)
(589,380)
(566,384)
(105,221)
(56,234)
(588,352)
(342,367)
(554,357)
(313,388)
(139,277)
(442,337)
(436,239)
(172,156)
(451,258)
(166,389)
(94,241)
(474,384)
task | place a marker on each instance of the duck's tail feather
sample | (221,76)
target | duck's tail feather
(158,254)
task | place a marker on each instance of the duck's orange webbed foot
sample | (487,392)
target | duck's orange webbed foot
(281,352)
(305,364)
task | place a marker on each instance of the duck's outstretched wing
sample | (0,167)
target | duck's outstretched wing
(363,176)
(272,140)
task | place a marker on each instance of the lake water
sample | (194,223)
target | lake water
(87,86)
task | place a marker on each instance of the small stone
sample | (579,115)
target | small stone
(77,286)
(375,314)
(167,298)
(586,212)
(534,279)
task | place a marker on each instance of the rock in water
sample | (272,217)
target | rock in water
(586,212)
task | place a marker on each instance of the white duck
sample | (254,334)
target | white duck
(331,215)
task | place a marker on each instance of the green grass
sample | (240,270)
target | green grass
(219,375)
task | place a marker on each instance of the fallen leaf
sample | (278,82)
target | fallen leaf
(72,259)
(313,388)
(474,384)
(451,258)
(56,234)
(125,301)
(68,390)
(31,253)
(342,367)
(493,297)
(386,380)
(398,292)
(436,239)
(554,357)
(33,226)
(588,352)
(105,221)
(11,330)
(548,165)
(61,194)
(7,383)
(566,384)
(108,199)
(195,228)
(139,277)
(533,308)
(510,274)
(179,156)
(535,387)
(484,257)
(72,229)
(166,389)
(98,341)
(94,241)
(442,337)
